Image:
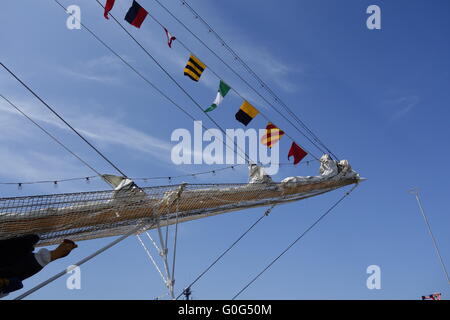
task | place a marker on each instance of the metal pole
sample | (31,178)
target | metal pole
(415,192)
(151,258)
(164,257)
(175,248)
(79,263)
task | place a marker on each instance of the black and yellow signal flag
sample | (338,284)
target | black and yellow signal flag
(246,113)
(194,68)
(272,136)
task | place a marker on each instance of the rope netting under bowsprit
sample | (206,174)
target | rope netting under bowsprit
(89,215)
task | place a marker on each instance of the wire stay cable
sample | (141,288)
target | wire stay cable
(266,213)
(105,158)
(250,70)
(146,179)
(247,158)
(240,77)
(62,119)
(139,74)
(237,74)
(151,258)
(415,192)
(294,242)
(53,138)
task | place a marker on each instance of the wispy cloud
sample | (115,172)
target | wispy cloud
(400,107)
(24,165)
(111,131)
(105,130)
(267,66)
(103,69)
(261,58)
(89,76)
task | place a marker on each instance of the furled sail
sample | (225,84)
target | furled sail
(89,215)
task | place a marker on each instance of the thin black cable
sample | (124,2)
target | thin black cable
(62,119)
(237,74)
(247,158)
(129,65)
(436,247)
(266,213)
(52,137)
(146,178)
(49,181)
(293,243)
(137,72)
(237,57)
(262,83)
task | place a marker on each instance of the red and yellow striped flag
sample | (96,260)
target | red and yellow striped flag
(272,136)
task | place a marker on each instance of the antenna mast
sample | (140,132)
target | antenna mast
(415,192)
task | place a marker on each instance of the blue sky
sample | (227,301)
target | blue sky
(377,98)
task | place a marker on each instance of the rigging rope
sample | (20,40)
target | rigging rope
(238,75)
(247,158)
(115,167)
(137,72)
(266,213)
(296,240)
(145,179)
(425,218)
(250,70)
(55,139)
(151,258)
(62,119)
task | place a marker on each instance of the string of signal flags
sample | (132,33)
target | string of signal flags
(194,69)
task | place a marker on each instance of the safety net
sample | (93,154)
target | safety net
(89,215)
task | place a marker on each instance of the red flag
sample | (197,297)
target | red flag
(297,152)
(108,7)
(136,15)
(170,38)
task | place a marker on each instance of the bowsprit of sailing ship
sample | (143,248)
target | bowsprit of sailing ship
(88,215)
(129,209)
